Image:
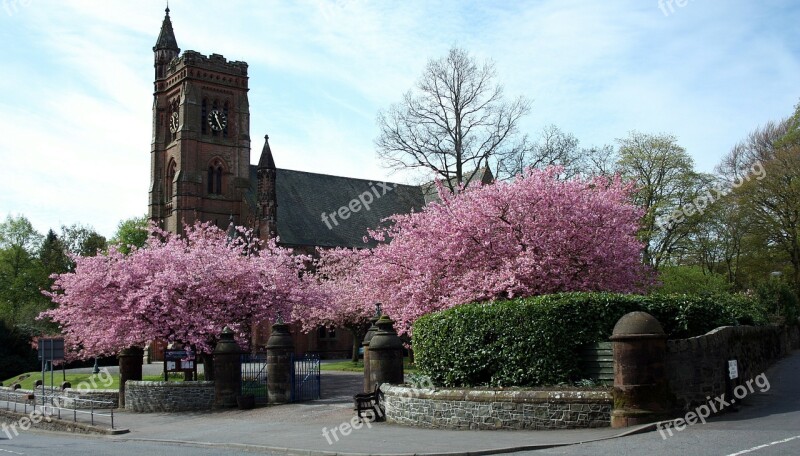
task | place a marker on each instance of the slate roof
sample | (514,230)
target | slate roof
(303,197)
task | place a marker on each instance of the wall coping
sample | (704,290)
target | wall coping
(162,384)
(499,395)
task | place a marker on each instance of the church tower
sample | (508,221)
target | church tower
(200,153)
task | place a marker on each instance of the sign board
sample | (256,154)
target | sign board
(179,361)
(733,369)
(51,349)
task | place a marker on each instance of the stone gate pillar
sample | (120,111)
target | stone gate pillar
(280,348)
(130,368)
(386,355)
(373,328)
(227,370)
(641,392)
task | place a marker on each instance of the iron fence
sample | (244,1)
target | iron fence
(254,377)
(52,405)
(305,377)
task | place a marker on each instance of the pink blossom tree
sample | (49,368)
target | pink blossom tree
(182,289)
(344,303)
(534,235)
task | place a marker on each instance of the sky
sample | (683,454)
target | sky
(76,81)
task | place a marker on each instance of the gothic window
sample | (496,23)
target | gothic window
(204,117)
(326,333)
(169,185)
(214,178)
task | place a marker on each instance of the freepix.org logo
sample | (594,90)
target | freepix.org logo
(668,6)
(12,7)
(362,201)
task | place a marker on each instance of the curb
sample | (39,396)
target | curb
(303,452)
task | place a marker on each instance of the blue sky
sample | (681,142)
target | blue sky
(76,80)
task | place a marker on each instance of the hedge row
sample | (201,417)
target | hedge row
(534,341)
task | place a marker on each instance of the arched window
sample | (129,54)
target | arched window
(171,169)
(214,178)
(204,117)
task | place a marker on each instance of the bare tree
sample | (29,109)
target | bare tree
(454,118)
(554,148)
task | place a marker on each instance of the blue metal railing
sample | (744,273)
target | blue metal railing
(305,378)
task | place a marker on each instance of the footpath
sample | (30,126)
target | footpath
(305,428)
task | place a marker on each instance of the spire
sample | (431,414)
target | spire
(266,161)
(166,39)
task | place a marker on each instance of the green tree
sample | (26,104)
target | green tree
(82,240)
(21,273)
(667,186)
(131,232)
(691,280)
(52,255)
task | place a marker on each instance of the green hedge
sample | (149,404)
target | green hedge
(534,341)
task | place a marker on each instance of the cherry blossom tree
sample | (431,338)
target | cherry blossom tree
(181,289)
(534,235)
(344,303)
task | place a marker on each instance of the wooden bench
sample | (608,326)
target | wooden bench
(364,402)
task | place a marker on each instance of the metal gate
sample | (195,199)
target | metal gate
(254,376)
(305,378)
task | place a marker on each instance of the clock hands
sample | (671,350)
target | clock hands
(217,120)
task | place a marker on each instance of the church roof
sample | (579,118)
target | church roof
(351,206)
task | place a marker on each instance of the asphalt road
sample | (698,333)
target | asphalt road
(766,424)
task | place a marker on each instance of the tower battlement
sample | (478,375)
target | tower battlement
(213,62)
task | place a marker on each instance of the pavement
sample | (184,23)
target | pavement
(305,428)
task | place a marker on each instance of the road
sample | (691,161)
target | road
(767,424)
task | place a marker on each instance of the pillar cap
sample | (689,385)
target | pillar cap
(280,338)
(226,344)
(638,325)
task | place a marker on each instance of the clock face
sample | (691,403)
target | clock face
(217,120)
(173,122)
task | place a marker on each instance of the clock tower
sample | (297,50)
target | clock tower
(200,153)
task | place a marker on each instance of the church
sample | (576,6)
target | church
(200,170)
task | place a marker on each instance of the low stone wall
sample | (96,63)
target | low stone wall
(496,409)
(697,367)
(150,397)
(104,395)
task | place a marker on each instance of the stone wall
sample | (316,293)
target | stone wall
(697,367)
(105,395)
(496,409)
(150,397)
